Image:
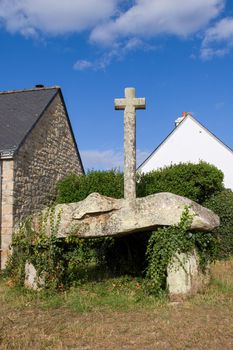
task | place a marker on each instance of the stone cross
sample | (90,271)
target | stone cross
(129,104)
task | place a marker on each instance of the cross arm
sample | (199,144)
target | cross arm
(139,103)
(120,103)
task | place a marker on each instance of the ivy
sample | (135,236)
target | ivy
(56,260)
(164,243)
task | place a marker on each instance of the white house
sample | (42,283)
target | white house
(191,142)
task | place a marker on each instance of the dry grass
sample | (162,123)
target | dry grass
(29,321)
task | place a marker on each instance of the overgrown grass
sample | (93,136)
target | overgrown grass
(220,290)
(125,293)
(119,293)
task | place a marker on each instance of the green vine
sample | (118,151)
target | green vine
(55,259)
(168,241)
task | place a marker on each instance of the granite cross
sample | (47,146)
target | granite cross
(129,104)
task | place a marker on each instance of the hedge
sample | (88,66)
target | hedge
(222,204)
(75,188)
(195,181)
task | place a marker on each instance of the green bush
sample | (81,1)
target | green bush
(75,188)
(195,181)
(222,204)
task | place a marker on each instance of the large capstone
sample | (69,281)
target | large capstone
(101,216)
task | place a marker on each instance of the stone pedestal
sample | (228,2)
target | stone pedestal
(184,276)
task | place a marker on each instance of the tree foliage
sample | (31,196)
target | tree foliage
(222,204)
(75,188)
(195,181)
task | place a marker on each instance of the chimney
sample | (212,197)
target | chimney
(39,86)
(180,119)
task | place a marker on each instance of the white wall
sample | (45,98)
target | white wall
(190,142)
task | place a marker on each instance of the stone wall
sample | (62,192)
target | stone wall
(47,155)
(6,210)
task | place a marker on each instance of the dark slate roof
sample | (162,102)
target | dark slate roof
(19,112)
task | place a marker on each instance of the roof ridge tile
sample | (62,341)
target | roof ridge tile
(29,90)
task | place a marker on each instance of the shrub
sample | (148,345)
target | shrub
(75,188)
(195,181)
(222,204)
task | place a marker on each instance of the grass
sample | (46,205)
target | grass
(116,314)
(220,290)
(122,293)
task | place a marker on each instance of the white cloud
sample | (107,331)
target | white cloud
(109,19)
(149,18)
(220,105)
(54,16)
(108,159)
(117,52)
(82,65)
(103,160)
(122,24)
(218,40)
(208,52)
(223,30)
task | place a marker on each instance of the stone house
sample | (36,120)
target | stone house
(190,141)
(37,148)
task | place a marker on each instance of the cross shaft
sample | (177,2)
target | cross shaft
(129,104)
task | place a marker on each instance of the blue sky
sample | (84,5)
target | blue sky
(176,53)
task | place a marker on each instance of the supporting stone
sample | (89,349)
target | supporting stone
(32,281)
(185,277)
(129,104)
